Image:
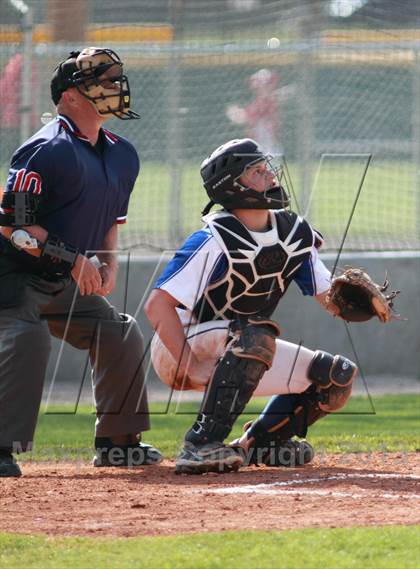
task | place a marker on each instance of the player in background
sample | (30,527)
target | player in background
(67,191)
(261,116)
(212,308)
(11,82)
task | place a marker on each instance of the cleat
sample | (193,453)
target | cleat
(8,465)
(288,453)
(139,454)
(212,457)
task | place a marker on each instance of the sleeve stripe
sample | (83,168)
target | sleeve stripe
(305,277)
(312,275)
(218,270)
(185,263)
(219,325)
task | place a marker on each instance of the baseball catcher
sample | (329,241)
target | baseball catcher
(212,311)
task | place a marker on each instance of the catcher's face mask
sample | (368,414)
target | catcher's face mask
(264,176)
(97,73)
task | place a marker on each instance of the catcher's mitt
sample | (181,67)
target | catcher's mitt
(355,297)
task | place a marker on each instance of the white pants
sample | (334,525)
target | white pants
(288,374)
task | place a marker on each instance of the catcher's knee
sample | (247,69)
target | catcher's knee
(166,367)
(205,342)
(256,341)
(334,376)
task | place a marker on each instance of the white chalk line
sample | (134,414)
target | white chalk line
(311,492)
(279,487)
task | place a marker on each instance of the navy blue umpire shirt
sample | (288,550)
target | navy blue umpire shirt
(84,189)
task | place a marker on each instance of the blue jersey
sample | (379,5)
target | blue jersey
(83,189)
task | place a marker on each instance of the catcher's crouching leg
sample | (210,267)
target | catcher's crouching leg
(333,377)
(234,380)
(285,416)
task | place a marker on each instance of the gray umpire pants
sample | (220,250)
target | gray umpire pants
(115,347)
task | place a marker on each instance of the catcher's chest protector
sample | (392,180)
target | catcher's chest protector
(260,265)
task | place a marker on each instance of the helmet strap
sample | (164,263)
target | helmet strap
(208,207)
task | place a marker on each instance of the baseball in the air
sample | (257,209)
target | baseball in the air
(46,118)
(273,43)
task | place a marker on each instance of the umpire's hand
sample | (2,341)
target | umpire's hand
(86,275)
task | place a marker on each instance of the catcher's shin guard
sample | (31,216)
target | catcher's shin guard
(288,415)
(234,380)
(283,417)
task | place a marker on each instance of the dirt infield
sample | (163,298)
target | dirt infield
(334,491)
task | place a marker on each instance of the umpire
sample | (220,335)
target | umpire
(68,189)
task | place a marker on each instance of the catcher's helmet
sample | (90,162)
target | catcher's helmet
(95,72)
(222,169)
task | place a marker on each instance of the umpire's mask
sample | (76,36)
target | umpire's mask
(97,73)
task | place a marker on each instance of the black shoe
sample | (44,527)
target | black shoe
(213,457)
(8,465)
(138,454)
(287,453)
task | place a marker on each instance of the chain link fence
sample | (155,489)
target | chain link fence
(342,102)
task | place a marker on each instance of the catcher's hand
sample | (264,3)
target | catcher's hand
(355,297)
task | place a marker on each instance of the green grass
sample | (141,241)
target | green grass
(367,548)
(390,426)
